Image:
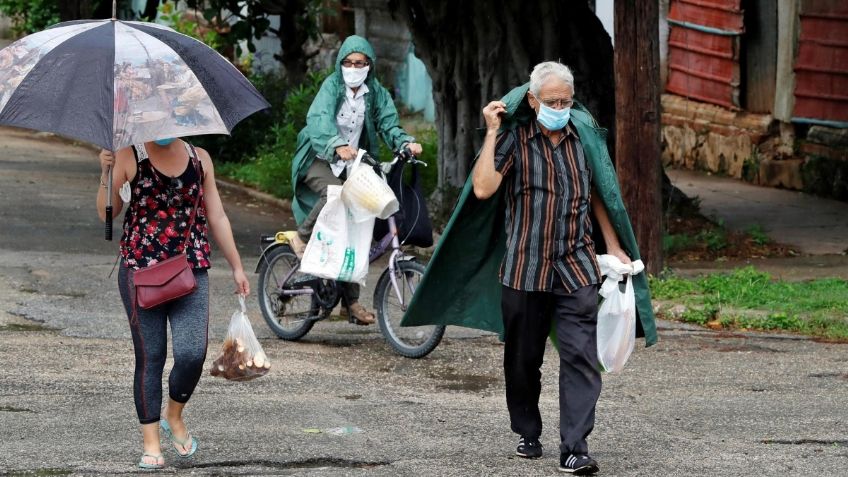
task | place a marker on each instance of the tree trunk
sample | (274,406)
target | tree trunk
(297,23)
(477,50)
(637,106)
(151,8)
(76,9)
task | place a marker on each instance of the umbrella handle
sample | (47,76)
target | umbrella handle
(109,206)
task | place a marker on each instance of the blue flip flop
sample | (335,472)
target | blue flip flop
(144,465)
(176,441)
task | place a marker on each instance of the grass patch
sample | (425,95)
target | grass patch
(750,299)
(758,235)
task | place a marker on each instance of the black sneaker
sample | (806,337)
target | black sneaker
(529,448)
(577,464)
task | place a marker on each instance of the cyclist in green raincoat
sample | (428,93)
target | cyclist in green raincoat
(349,112)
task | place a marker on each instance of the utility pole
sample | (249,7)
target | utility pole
(637,123)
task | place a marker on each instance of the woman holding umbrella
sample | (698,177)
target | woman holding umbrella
(166,179)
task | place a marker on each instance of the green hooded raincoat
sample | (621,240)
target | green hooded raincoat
(461,285)
(320,138)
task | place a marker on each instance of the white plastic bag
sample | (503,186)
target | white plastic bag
(242,357)
(617,313)
(366,194)
(339,246)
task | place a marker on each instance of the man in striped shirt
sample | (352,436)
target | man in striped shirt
(550,273)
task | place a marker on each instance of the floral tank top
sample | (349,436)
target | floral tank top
(158,213)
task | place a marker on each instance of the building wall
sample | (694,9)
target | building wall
(821,65)
(738,82)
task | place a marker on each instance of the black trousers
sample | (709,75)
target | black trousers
(527,320)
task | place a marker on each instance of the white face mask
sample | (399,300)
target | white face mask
(354,77)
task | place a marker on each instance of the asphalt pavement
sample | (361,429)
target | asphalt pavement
(340,402)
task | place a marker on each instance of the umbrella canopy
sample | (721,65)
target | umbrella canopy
(115,83)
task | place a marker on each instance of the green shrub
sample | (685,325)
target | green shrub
(257,130)
(715,239)
(673,243)
(30,16)
(430,144)
(758,235)
(268,167)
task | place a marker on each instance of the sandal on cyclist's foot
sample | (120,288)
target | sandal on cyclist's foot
(360,315)
(189,442)
(298,246)
(147,465)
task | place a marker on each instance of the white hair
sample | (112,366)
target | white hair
(545,70)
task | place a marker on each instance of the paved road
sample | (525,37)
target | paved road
(815,225)
(698,403)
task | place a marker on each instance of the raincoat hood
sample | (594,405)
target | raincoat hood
(356,44)
(320,137)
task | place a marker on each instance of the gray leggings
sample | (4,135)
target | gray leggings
(189,318)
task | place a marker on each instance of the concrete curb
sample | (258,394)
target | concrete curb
(229,184)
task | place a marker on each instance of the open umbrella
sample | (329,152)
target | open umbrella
(115,83)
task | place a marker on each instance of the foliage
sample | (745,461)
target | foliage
(30,16)
(716,238)
(758,235)
(269,165)
(747,298)
(673,243)
(187,25)
(425,136)
(248,19)
(254,131)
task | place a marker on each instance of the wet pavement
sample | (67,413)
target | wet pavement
(699,402)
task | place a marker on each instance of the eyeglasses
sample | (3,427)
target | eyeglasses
(557,103)
(355,64)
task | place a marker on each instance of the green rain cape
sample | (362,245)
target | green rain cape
(320,138)
(461,285)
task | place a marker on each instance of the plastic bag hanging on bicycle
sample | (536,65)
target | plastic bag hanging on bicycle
(339,246)
(366,194)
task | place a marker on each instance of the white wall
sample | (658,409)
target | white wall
(604,11)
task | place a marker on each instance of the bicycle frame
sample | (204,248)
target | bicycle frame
(389,241)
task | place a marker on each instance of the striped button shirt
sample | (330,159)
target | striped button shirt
(549,230)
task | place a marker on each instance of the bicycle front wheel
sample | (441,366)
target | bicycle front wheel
(412,342)
(289,316)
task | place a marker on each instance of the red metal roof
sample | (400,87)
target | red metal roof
(821,67)
(703,53)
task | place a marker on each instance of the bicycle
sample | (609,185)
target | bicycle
(292,302)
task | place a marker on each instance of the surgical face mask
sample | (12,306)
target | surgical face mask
(354,77)
(553,119)
(165,142)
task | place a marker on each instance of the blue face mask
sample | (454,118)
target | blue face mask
(165,142)
(553,119)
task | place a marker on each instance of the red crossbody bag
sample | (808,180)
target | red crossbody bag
(172,278)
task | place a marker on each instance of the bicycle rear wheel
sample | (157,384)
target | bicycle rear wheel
(412,342)
(289,316)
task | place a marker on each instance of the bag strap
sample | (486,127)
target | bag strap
(196,163)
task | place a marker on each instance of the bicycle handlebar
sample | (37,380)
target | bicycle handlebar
(401,155)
